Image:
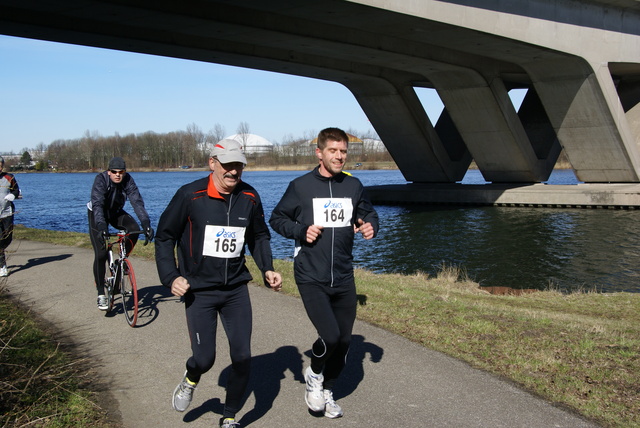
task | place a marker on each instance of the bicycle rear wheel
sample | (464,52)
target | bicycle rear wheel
(129,291)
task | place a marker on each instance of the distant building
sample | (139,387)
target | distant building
(11,157)
(373,146)
(253,144)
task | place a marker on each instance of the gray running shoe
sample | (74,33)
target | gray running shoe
(313,393)
(229,423)
(331,408)
(183,394)
(103,305)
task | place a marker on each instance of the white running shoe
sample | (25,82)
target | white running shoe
(229,423)
(331,408)
(103,305)
(313,394)
(183,394)
(4,271)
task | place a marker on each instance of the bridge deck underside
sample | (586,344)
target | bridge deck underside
(580,66)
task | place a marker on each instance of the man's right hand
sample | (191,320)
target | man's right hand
(313,232)
(103,230)
(180,286)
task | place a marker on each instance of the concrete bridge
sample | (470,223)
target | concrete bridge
(578,60)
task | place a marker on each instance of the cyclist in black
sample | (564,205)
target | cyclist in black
(211,220)
(322,210)
(110,191)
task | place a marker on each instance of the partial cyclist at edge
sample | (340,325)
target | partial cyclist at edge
(9,191)
(110,191)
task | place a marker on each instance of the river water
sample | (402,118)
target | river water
(496,246)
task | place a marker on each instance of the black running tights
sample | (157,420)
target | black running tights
(332,310)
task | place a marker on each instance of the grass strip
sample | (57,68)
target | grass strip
(40,384)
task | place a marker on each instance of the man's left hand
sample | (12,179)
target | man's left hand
(366,229)
(274,280)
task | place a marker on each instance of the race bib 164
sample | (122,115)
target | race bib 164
(332,212)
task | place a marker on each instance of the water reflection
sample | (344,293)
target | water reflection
(514,247)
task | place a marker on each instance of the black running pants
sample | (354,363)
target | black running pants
(332,310)
(234,307)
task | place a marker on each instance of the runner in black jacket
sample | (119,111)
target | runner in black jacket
(211,220)
(322,211)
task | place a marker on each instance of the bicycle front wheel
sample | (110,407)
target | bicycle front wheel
(109,292)
(129,291)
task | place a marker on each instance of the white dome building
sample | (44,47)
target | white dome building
(253,144)
(372,145)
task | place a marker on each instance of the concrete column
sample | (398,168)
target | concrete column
(489,125)
(633,117)
(540,131)
(600,147)
(404,127)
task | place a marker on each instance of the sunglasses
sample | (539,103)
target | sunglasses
(116,171)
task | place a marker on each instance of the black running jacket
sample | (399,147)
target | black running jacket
(329,260)
(194,211)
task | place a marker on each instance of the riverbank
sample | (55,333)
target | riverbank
(250,167)
(561,164)
(580,350)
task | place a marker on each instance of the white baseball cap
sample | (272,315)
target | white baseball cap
(228,151)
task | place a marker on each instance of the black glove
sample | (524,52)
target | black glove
(148,233)
(103,230)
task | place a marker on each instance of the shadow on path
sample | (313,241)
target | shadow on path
(37,262)
(268,371)
(353,372)
(148,300)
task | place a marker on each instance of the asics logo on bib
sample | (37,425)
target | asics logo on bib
(225,234)
(334,205)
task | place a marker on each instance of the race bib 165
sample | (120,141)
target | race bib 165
(225,242)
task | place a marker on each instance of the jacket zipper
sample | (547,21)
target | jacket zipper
(333,236)
(226,260)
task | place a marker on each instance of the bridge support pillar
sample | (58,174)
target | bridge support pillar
(416,146)
(585,111)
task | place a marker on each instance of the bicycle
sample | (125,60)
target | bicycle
(122,280)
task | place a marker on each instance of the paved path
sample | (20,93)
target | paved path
(389,382)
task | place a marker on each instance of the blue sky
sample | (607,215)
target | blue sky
(51,91)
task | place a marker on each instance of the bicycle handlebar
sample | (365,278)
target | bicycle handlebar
(125,233)
(122,233)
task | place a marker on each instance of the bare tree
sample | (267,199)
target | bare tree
(243,134)
(217,133)
(197,142)
(40,151)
